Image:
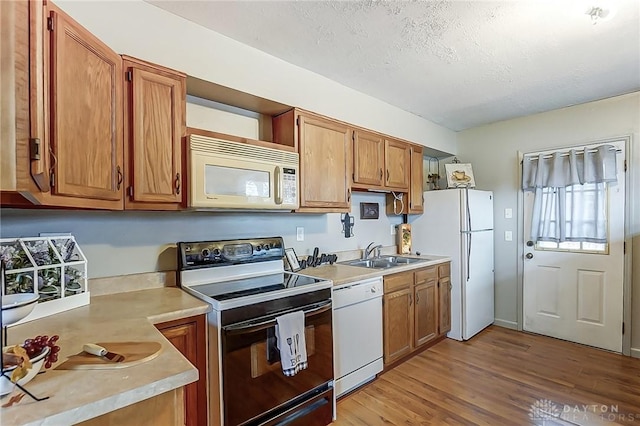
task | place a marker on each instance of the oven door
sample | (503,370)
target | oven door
(256,391)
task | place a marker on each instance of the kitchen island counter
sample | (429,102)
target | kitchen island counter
(79,395)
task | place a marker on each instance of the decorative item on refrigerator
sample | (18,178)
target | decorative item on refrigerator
(291,342)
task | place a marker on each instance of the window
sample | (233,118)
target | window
(582,207)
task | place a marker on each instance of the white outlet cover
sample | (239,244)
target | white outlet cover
(508,213)
(508,235)
(393,230)
(299,233)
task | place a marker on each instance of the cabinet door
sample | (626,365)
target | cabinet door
(398,324)
(416,205)
(189,337)
(325,163)
(155,129)
(444,305)
(85,113)
(426,313)
(368,158)
(397,163)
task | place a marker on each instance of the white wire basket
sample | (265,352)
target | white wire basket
(52,267)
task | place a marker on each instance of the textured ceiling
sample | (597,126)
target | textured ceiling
(457,63)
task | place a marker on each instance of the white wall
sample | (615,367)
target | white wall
(147,32)
(121,243)
(492,149)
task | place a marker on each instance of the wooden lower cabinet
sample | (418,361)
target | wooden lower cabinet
(164,409)
(444,298)
(416,310)
(398,324)
(188,335)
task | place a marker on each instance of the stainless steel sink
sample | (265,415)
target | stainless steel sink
(383,262)
(371,263)
(401,260)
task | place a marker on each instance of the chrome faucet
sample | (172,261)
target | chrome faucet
(369,250)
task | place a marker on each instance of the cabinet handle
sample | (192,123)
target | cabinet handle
(349,195)
(417,297)
(387,175)
(178,183)
(410,300)
(120,177)
(380,172)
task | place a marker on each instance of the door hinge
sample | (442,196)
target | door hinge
(624,247)
(623,328)
(52,179)
(625,165)
(129,75)
(130,191)
(50,24)
(353,136)
(298,121)
(353,177)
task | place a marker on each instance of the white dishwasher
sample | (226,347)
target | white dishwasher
(357,333)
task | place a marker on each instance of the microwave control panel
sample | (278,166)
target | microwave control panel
(289,186)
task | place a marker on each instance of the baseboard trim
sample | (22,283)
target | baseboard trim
(506,324)
(635,352)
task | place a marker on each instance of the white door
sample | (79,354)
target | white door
(574,291)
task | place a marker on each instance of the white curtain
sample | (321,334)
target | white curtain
(570,193)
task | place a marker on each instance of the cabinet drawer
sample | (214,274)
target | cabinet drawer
(426,274)
(444,270)
(398,281)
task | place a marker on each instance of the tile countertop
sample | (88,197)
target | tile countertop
(344,274)
(78,395)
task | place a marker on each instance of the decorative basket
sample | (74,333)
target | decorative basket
(53,267)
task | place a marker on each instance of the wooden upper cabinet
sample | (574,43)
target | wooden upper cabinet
(397,163)
(154,127)
(325,164)
(416,197)
(85,114)
(368,159)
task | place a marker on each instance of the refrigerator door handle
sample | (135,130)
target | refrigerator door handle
(469,257)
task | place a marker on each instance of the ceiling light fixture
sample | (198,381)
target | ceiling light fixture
(597,13)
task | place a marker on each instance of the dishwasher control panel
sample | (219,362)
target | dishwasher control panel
(357,291)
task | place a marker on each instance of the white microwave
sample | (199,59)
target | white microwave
(232,175)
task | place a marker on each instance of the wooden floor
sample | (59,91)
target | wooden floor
(497,378)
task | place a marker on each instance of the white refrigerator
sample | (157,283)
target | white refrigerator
(459,223)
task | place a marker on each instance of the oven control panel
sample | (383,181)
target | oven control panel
(201,254)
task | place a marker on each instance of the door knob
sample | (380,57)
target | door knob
(529,255)
(529,243)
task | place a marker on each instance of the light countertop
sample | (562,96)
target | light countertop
(78,395)
(344,274)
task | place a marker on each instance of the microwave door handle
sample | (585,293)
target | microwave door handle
(277,182)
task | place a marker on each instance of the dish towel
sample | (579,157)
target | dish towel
(291,343)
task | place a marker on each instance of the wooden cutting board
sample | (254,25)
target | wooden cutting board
(134,353)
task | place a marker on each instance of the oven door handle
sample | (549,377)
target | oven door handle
(260,324)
